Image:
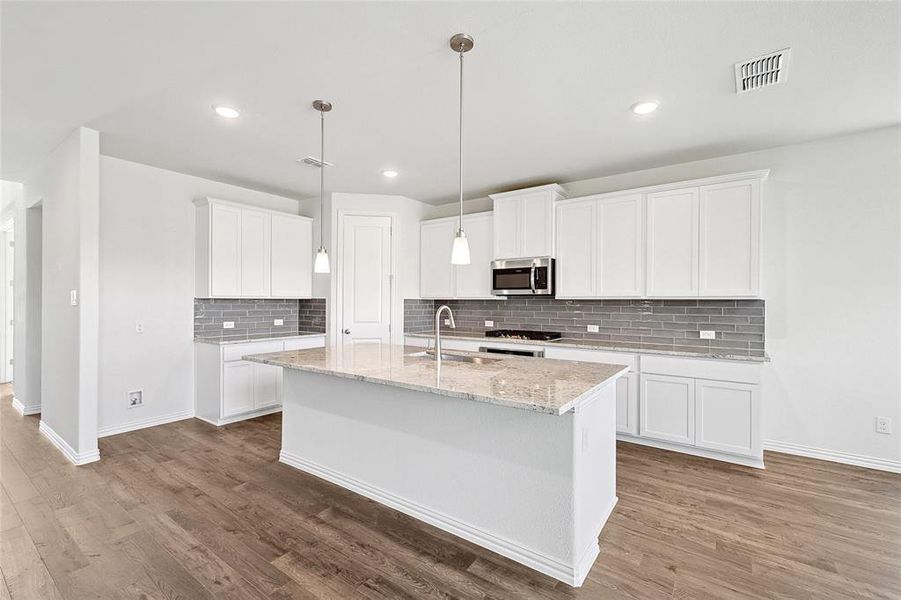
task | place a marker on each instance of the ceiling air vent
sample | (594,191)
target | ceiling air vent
(762,71)
(315,162)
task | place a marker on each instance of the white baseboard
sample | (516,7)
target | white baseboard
(745,461)
(144,423)
(25,410)
(590,554)
(571,574)
(857,460)
(241,417)
(74,457)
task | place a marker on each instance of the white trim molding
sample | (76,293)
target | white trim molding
(25,410)
(746,461)
(74,457)
(242,417)
(144,423)
(573,574)
(845,458)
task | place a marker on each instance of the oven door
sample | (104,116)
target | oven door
(522,277)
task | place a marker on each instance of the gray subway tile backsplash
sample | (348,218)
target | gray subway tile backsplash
(254,318)
(648,324)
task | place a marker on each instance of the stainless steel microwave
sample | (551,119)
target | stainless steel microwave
(523,277)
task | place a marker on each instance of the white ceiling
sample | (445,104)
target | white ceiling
(549,86)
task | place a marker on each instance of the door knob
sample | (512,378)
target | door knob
(346,331)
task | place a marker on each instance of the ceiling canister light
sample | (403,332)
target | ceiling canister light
(321,265)
(461,43)
(227,112)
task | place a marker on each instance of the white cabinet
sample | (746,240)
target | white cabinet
(244,252)
(438,278)
(729,239)
(224,258)
(576,249)
(728,417)
(672,245)
(667,408)
(627,395)
(256,253)
(599,247)
(228,389)
(292,243)
(524,222)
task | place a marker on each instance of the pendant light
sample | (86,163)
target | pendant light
(320,265)
(461,43)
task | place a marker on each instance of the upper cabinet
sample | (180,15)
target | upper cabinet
(599,247)
(438,277)
(698,239)
(524,222)
(244,252)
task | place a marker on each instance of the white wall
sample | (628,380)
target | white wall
(831,276)
(407,215)
(66,185)
(27,299)
(147,274)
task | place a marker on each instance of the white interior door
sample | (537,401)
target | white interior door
(365,271)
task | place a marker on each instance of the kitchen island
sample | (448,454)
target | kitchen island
(514,454)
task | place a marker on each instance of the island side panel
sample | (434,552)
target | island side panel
(594,455)
(498,476)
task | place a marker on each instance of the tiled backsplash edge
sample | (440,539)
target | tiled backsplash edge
(651,324)
(254,317)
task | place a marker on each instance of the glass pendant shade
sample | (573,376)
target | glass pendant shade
(321,263)
(460,251)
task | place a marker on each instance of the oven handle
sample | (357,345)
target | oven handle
(532,279)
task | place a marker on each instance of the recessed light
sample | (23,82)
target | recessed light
(644,108)
(389,173)
(226,111)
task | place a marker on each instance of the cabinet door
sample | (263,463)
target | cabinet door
(474,280)
(728,417)
(256,251)
(667,408)
(436,275)
(729,246)
(576,249)
(620,264)
(507,228)
(536,225)
(266,386)
(225,251)
(237,387)
(292,257)
(673,243)
(627,404)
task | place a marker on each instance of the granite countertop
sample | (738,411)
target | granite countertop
(262,338)
(725,354)
(536,384)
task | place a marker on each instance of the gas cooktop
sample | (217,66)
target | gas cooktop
(524,334)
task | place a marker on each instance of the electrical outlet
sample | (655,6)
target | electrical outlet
(884,425)
(278,322)
(135,398)
(139,326)
(708,335)
(228,325)
(489,323)
(447,321)
(592,329)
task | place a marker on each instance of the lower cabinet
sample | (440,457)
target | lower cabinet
(727,417)
(668,408)
(228,389)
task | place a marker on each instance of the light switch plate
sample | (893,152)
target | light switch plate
(73,297)
(228,325)
(708,335)
(278,322)
(592,329)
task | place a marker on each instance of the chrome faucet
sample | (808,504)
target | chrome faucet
(453,325)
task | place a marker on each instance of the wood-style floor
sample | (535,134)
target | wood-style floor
(190,511)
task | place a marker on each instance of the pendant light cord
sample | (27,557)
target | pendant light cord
(321,179)
(461,140)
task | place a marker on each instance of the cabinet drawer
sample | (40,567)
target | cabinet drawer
(302,343)
(598,356)
(236,351)
(702,368)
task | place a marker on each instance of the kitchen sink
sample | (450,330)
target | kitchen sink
(463,358)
